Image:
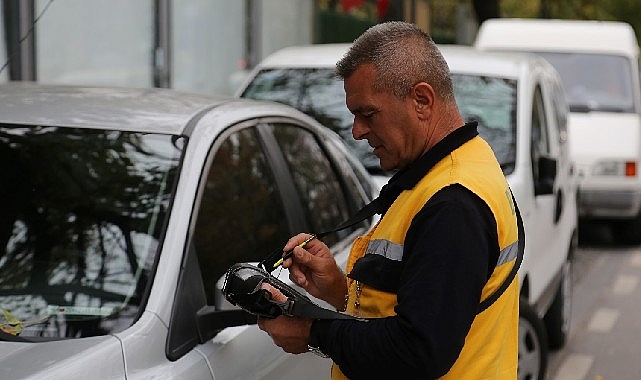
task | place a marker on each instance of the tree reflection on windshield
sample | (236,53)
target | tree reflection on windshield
(319,94)
(83,212)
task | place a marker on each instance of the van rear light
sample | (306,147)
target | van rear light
(630,169)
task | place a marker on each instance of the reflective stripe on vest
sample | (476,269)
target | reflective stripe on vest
(389,250)
(394,251)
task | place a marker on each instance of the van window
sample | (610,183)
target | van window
(491,101)
(540,145)
(560,110)
(595,82)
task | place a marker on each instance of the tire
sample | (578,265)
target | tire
(557,318)
(533,346)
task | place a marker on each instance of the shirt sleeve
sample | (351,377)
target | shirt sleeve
(450,250)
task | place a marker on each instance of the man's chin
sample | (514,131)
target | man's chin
(386,166)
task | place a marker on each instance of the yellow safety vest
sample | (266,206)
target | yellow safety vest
(491,346)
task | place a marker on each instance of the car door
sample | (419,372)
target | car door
(264,182)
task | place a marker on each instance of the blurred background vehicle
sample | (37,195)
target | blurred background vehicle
(122,209)
(599,65)
(520,104)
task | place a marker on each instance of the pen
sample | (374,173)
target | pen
(291,252)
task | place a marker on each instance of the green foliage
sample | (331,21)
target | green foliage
(613,10)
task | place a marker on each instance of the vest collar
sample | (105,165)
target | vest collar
(407,178)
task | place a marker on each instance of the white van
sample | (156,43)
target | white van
(598,63)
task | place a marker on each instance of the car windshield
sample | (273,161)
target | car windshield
(595,82)
(320,94)
(491,101)
(82,221)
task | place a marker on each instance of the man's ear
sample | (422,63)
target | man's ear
(424,99)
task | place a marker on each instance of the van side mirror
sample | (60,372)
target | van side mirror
(547,175)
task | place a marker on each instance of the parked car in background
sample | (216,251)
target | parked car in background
(303,77)
(599,65)
(123,208)
(519,102)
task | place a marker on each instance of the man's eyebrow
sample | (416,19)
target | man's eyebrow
(363,109)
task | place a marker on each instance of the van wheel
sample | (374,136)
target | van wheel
(533,347)
(557,318)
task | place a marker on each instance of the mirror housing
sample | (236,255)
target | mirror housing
(547,175)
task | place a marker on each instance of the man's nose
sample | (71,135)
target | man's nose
(359,129)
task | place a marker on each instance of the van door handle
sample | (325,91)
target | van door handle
(558,205)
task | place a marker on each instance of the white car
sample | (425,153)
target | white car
(599,65)
(122,209)
(520,105)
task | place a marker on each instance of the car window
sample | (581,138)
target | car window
(319,94)
(241,217)
(492,102)
(359,186)
(540,145)
(318,184)
(81,225)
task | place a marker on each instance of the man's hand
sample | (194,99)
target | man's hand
(289,333)
(315,270)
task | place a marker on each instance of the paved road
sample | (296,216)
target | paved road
(605,332)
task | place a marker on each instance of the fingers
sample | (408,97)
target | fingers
(295,241)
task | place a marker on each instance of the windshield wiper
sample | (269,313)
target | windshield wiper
(585,108)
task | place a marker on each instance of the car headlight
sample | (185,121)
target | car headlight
(615,168)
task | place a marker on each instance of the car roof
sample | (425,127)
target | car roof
(460,58)
(468,60)
(152,110)
(312,56)
(558,35)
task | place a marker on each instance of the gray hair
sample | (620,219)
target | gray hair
(403,55)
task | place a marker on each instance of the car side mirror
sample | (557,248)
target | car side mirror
(547,175)
(210,319)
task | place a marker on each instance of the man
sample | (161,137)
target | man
(445,243)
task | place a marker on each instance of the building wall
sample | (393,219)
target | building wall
(95,42)
(208,41)
(212,43)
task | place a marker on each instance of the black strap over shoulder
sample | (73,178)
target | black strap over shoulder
(519,259)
